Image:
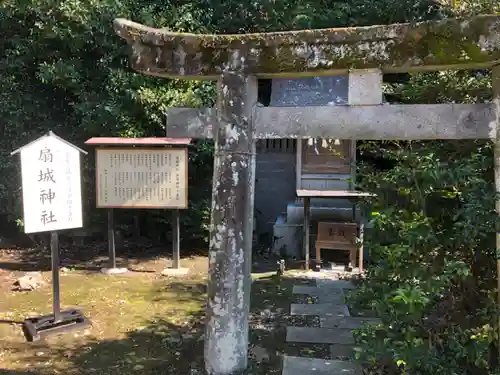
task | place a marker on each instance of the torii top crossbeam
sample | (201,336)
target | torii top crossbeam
(434,45)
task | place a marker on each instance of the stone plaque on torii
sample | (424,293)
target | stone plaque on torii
(236,61)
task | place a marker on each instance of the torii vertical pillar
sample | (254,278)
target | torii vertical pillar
(231,227)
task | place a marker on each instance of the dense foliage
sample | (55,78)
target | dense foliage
(432,247)
(62,68)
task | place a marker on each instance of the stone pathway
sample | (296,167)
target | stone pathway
(336,325)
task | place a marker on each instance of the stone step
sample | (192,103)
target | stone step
(323,296)
(319,335)
(316,366)
(337,299)
(342,284)
(346,322)
(315,291)
(321,309)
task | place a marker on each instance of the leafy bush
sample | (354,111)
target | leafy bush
(432,248)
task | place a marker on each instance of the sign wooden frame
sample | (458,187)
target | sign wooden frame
(141,149)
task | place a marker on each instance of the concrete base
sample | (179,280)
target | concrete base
(114,271)
(175,272)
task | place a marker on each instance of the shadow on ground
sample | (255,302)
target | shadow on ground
(166,344)
(93,255)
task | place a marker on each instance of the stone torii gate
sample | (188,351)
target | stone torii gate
(236,61)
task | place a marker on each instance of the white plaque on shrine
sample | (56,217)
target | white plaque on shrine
(51,185)
(141,178)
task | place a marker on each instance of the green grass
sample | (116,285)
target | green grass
(143,325)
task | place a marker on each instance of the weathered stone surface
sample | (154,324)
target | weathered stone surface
(315,366)
(30,281)
(310,91)
(365,87)
(332,298)
(324,295)
(114,271)
(226,332)
(174,272)
(346,322)
(314,290)
(321,309)
(442,44)
(319,335)
(342,284)
(405,121)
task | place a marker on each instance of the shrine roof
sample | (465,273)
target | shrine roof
(432,45)
(151,141)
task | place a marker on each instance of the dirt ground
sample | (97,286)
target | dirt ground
(142,322)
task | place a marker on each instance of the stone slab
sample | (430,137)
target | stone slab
(331,298)
(365,87)
(113,271)
(314,290)
(320,309)
(342,284)
(316,366)
(319,335)
(175,271)
(346,322)
(322,90)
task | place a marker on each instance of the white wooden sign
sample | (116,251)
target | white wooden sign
(51,184)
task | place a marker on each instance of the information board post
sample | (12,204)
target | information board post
(52,201)
(111,239)
(176,239)
(142,173)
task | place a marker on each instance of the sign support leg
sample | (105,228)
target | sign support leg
(111,239)
(176,237)
(56,298)
(59,321)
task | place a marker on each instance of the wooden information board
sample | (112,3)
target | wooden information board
(141,178)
